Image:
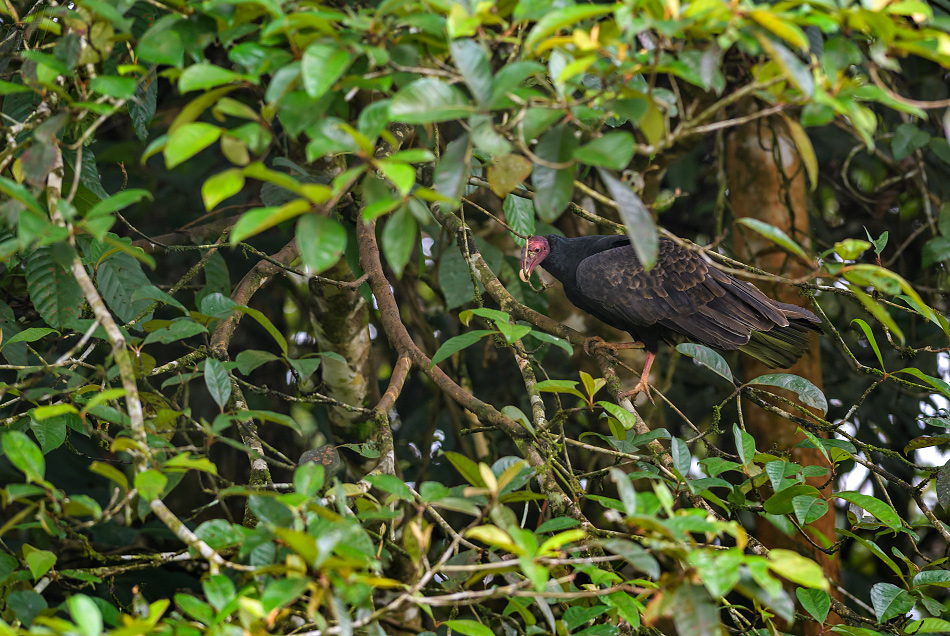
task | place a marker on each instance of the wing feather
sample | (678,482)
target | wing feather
(681,294)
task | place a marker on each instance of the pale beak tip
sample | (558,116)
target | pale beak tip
(524,276)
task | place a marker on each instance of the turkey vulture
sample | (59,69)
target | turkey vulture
(682,295)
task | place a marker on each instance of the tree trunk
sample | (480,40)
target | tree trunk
(767,181)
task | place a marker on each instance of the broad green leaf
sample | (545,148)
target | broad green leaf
(118,87)
(29,335)
(429,100)
(203,76)
(908,138)
(309,478)
(718,570)
(217,381)
(782,27)
(940,578)
(928,626)
(150,484)
(775,235)
(38,561)
(559,386)
(178,330)
(219,590)
(807,392)
(321,66)
(890,601)
(562,18)
(188,140)
(53,290)
(625,490)
(85,613)
(634,555)
(554,187)
(519,212)
(798,569)
(466,468)
(259,219)
(881,510)
(49,432)
(636,218)
(627,419)
(457,343)
(221,186)
(321,240)
(707,358)
(681,457)
(468,627)
(798,73)
(451,173)
(783,502)
(745,444)
(24,455)
(118,277)
(22,194)
(936,383)
(613,150)
(809,509)
(815,602)
(506,173)
(399,239)
(474,62)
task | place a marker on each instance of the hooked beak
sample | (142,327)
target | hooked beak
(524,273)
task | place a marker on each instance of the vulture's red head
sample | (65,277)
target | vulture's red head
(535,251)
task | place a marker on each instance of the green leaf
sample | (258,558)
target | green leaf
(249,359)
(50,432)
(457,343)
(162,44)
(519,212)
(217,381)
(309,478)
(427,101)
(936,250)
(178,330)
(707,358)
(625,490)
(468,628)
(38,561)
(118,87)
(219,590)
(928,626)
(815,602)
(881,510)
(562,18)
(782,27)
(559,386)
(29,335)
(282,592)
(681,456)
(797,568)
(188,140)
(783,502)
(613,150)
(150,484)
(890,601)
(203,76)
(627,419)
(745,443)
(221,186)
(466,468)
(554,187)
(118,277)
(932,577)
(24,455)
(633,554)
(321,240)
(391,484)
(259,219)
(473,62)
(321,66)
(870,338)
(776,236)
(878,311)
(451,173)
(908,138)
(53,290)
(798,73)
(86,614)
(807,392)
(937,383)
(809,509)
(719,571)
(399,238)
(636,218)
(22,194)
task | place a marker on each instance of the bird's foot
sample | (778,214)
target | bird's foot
(593,343)
(643,386)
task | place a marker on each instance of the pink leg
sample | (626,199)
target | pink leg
(643,386)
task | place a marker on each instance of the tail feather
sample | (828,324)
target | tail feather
(781,347)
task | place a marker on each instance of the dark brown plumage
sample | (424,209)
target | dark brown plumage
(681,296)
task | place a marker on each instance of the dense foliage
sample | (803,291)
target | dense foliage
(236,231)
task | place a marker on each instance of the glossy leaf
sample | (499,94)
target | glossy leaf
(636,218)
(707,358)
(321,240)
(807,392)
(553,186)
